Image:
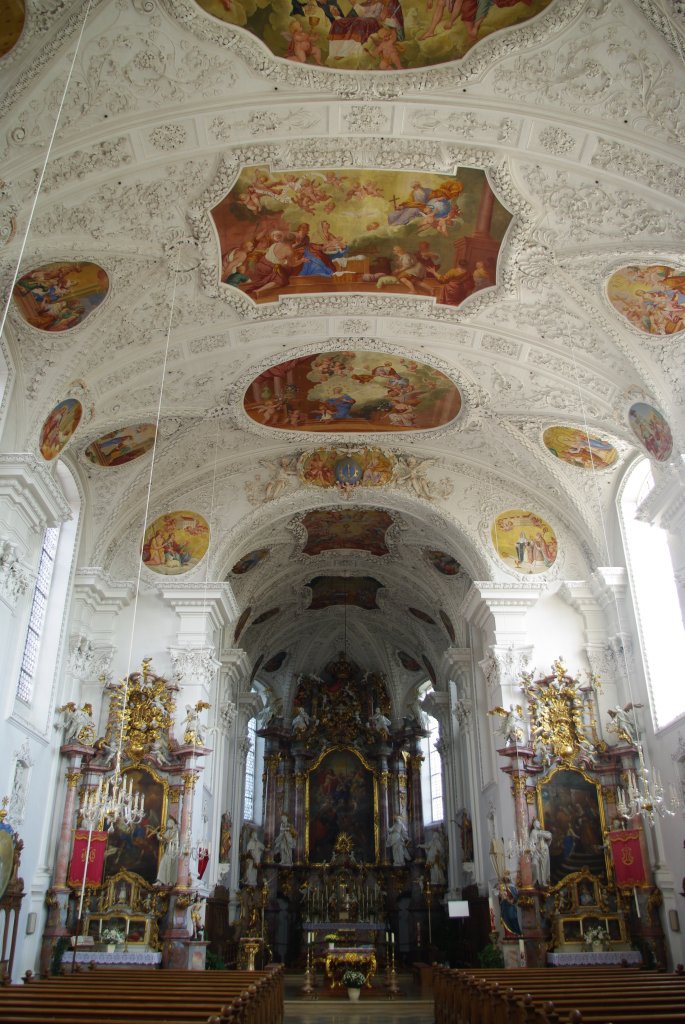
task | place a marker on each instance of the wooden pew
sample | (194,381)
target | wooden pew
(147,997)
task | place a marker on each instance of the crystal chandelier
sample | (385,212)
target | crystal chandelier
(114,802)
(644,794)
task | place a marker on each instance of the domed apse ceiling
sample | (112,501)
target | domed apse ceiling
(407,316)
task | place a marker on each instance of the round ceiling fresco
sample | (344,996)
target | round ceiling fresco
(340,392)
(652,430)
(175,543)
(372,35)
(651,298)
(121,446)
(578,448)
(11,24)
(376,232)
(58,296)
(524,541)
(59,427)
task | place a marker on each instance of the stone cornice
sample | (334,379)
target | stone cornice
(31,492)
(96,590)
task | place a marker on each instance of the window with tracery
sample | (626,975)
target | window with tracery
(39,607)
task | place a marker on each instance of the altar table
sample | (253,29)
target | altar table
(586,958)
(360,958)
(124,958)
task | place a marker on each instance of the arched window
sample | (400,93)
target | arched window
(655,597)
(248,805)
(39,607)
(431,769)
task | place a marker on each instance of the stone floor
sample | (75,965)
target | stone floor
(335,1008)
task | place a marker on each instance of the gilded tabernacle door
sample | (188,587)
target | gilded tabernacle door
(341,796)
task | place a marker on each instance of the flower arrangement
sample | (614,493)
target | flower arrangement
(596,935)
(333,937)
(112,935)
(353,979)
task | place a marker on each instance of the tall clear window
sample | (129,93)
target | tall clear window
(655,598)
(250,767)
(431,769)
(39,606)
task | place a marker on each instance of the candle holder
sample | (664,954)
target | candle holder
(308,987)
(393,986)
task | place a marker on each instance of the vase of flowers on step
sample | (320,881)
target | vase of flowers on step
(597,939)
(353,981)
(331,939)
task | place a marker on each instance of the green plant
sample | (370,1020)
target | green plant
(213,962)
(491,956)
(353,979)
(58,951)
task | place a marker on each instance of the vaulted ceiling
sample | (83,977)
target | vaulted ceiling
(576,115)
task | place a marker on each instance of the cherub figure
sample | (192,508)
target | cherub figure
(384,45)
(511,727)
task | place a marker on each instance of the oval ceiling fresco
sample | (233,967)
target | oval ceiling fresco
(372,35)
(275,662)
(651,298)
(578,448)
(58,296)
(59,427)
(121,446)
(652,430)
(340,392)
(524,541)
(249,561)
(377,232)
(11,24)
(443,562)
(174,543)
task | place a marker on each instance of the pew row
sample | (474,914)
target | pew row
(568,995)
(121,996)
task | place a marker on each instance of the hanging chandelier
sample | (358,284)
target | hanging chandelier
(644,794)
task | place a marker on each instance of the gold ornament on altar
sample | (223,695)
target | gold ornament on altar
(141,709)
(559,707)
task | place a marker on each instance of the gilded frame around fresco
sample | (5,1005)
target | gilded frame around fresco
(547,780)
(307,799)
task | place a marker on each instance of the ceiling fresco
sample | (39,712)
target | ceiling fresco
(11,24)
(59,427)
(448,624)
(443,562)
(58,296)
(372,35)
(406,661)
(275,662)
(358,529)
(265,616)
(332,467)
(524,541)
(375,232)
(338,392)
(651,298)
(423,616)
(121,446)
(652,429)
(578,448)
(346,590)
(175,542)
(250,561)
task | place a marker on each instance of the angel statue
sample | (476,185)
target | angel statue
(79,726)
(194,732)
(511,726)
(623,723)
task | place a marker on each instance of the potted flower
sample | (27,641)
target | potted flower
(353,981)
(596,938)
(331,939)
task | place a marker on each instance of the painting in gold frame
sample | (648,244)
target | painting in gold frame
(138,850)
(570,806)
(341,796)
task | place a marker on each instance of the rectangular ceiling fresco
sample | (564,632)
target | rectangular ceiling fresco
(359,529)
(304,232)
(356,590)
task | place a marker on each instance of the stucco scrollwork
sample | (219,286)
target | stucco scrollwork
(14,579)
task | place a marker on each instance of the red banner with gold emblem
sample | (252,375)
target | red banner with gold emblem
(96,857)
(626,852)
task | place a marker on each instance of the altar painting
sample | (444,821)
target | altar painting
(11,24)
(524,541)
(378,232)
(58,296)
(569,806)
(341,796)
(174,543)
(331,467)
(652,430)
(651,298)
(138,849)
(121,446)
(347,529)
(348,590)
(579,448)
(372,35)
(59,427)
(339,392)
(250,561)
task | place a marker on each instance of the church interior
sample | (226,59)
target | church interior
(342,572)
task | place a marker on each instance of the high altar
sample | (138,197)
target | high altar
(342,863)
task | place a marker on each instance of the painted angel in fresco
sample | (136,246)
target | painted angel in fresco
(301,44)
